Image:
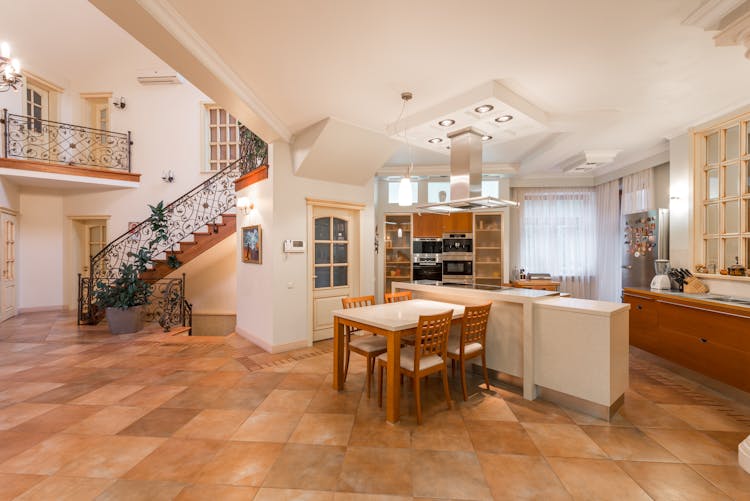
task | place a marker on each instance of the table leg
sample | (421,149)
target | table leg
(338,354)
(393,373)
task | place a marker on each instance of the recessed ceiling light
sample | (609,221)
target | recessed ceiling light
(486,137)
(435,140)
(484,108)
(504,118)
(447,122)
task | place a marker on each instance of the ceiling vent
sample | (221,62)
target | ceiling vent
(588,160)
(158,77)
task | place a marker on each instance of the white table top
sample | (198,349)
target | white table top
(398,316)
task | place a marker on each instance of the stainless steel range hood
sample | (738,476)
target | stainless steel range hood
(466,177)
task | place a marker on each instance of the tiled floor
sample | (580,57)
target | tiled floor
(88,415)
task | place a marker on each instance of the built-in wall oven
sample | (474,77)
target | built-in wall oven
(427,259)
(458,259)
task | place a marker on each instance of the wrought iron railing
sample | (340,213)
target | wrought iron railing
(197,208)
(167,304)
(40,140)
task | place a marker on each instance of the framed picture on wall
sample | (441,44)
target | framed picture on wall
(252,244)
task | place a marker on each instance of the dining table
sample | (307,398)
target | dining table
(394,321)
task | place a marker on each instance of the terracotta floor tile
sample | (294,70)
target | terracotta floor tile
(179,378)
(440,474)
(19,392)
(110,457)
(668,481)
(176,460)
(732,480)
(692,446)
(328,401)
(193,397)
(729,439)
(141,490)
(377,471)
(302,466)
(12,485)
(301,381)
(66,489)
(628,444)
(488,409)
(267,427)
(644,413)
(445,431)
(273,494)
(217,493)
(108,421)
(538,411)
(58,419)
(501,438)
(108,394)
(584,419)
(15,442)
(353,496)
(512,477)
(596,479)
(160,422)
(704,417)
(49,456)
(375,432)
(287,401)
(151,396)
(323,429)
(213,424)
(563,440)
(239,398)
(15,414)
(241,463)
(65,393)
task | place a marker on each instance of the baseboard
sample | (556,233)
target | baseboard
(214,314)
(600,411)
(272,348)
(40,309)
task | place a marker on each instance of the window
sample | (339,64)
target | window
(222,138)
(331,252)
(37,106)
(393,191)
(722,176)
(490,188)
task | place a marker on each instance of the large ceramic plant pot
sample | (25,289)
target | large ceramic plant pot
(125,321)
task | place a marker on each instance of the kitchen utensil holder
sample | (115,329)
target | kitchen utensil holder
(694,286)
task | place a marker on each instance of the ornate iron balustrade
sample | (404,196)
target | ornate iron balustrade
(167,304)
(40,140)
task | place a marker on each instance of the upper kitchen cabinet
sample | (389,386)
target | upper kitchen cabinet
(434,225)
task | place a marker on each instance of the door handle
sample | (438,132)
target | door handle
(627,267)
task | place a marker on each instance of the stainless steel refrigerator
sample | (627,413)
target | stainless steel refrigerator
(646,238)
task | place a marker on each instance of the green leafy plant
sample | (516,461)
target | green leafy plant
(173,262)
(128,289)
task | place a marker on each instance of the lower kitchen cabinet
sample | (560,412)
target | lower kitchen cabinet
(714,341)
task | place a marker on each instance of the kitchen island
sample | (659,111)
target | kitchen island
(570,351)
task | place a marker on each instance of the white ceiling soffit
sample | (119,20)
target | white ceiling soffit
(331,150)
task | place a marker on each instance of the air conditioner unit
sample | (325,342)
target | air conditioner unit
(588,160)
(158,77)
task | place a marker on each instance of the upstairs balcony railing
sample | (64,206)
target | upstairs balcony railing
(29,138)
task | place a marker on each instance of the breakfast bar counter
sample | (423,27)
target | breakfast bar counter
(570,351)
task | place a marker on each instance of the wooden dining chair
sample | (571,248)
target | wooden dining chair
(427,356)
(395,297)
(363,343)
(471,342)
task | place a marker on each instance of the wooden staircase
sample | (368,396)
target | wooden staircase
(196,244)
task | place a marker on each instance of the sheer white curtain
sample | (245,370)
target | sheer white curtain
(608,242)
(638,192)
(557,229)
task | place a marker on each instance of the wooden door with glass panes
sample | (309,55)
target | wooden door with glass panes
(36,106)
(335,250)
(8,226)
(96,239)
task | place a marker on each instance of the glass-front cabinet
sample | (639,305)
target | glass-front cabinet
(397,249)
(488,249)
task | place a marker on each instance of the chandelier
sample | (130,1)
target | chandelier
(10,70)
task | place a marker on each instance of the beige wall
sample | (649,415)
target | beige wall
(210,282)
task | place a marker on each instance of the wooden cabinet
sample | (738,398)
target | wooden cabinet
(434,225)
(712,340)
(542,285)
(488,249)
(398,229)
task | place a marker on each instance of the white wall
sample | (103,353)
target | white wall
(210,280)
(40,259)
(9,195)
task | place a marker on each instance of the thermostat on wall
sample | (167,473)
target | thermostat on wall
(294,246)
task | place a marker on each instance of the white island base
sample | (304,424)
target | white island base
(573,352)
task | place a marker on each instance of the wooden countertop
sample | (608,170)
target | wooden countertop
(694,300)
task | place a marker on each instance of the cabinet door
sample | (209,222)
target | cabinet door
(428,225)
(458,223)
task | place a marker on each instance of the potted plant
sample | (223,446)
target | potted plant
(124,297)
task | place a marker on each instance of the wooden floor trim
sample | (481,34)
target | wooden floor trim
(252,177)
(71,170)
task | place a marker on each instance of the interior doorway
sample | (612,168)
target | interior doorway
(9,292)
(89,237)
(334,263)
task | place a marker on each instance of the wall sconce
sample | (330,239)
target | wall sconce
(244,206)
(119,103)
(167,176)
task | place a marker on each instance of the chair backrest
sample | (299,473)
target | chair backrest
(432,336)
(474,324)
(397,296)
(357,302)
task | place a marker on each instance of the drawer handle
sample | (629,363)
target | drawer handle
(639,307)
(703,340)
